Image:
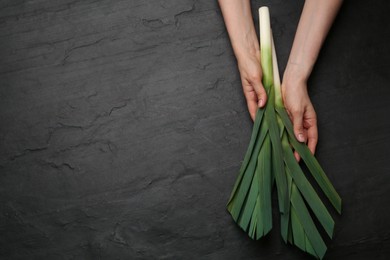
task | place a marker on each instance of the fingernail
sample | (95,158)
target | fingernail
(261,103)
(301,138)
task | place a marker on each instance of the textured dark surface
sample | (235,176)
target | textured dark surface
(123,126)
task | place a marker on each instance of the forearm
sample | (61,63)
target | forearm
(239,24)
(316,19)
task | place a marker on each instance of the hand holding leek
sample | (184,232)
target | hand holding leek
(316,19)
(301,112)
(269,159)
(243,37)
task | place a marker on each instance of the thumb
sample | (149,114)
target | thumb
(298,126)
(260,92)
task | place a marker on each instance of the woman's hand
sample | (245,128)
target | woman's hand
(251,75)
(242,34)
(300,109)
(316,18)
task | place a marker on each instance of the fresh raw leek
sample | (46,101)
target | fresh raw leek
(269,159)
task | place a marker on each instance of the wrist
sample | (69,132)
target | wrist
(240,27)
(296,74)
(246,46)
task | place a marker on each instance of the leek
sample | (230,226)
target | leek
(269,158)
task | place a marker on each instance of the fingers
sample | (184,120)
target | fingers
(251,100)
(297,119)
(312,131)
(251,76)
(297,156)
(312,139)
(260,91)
(255,94)
(305,126)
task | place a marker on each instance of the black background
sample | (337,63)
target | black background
(123,126)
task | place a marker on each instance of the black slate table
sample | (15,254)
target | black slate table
(123,125)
